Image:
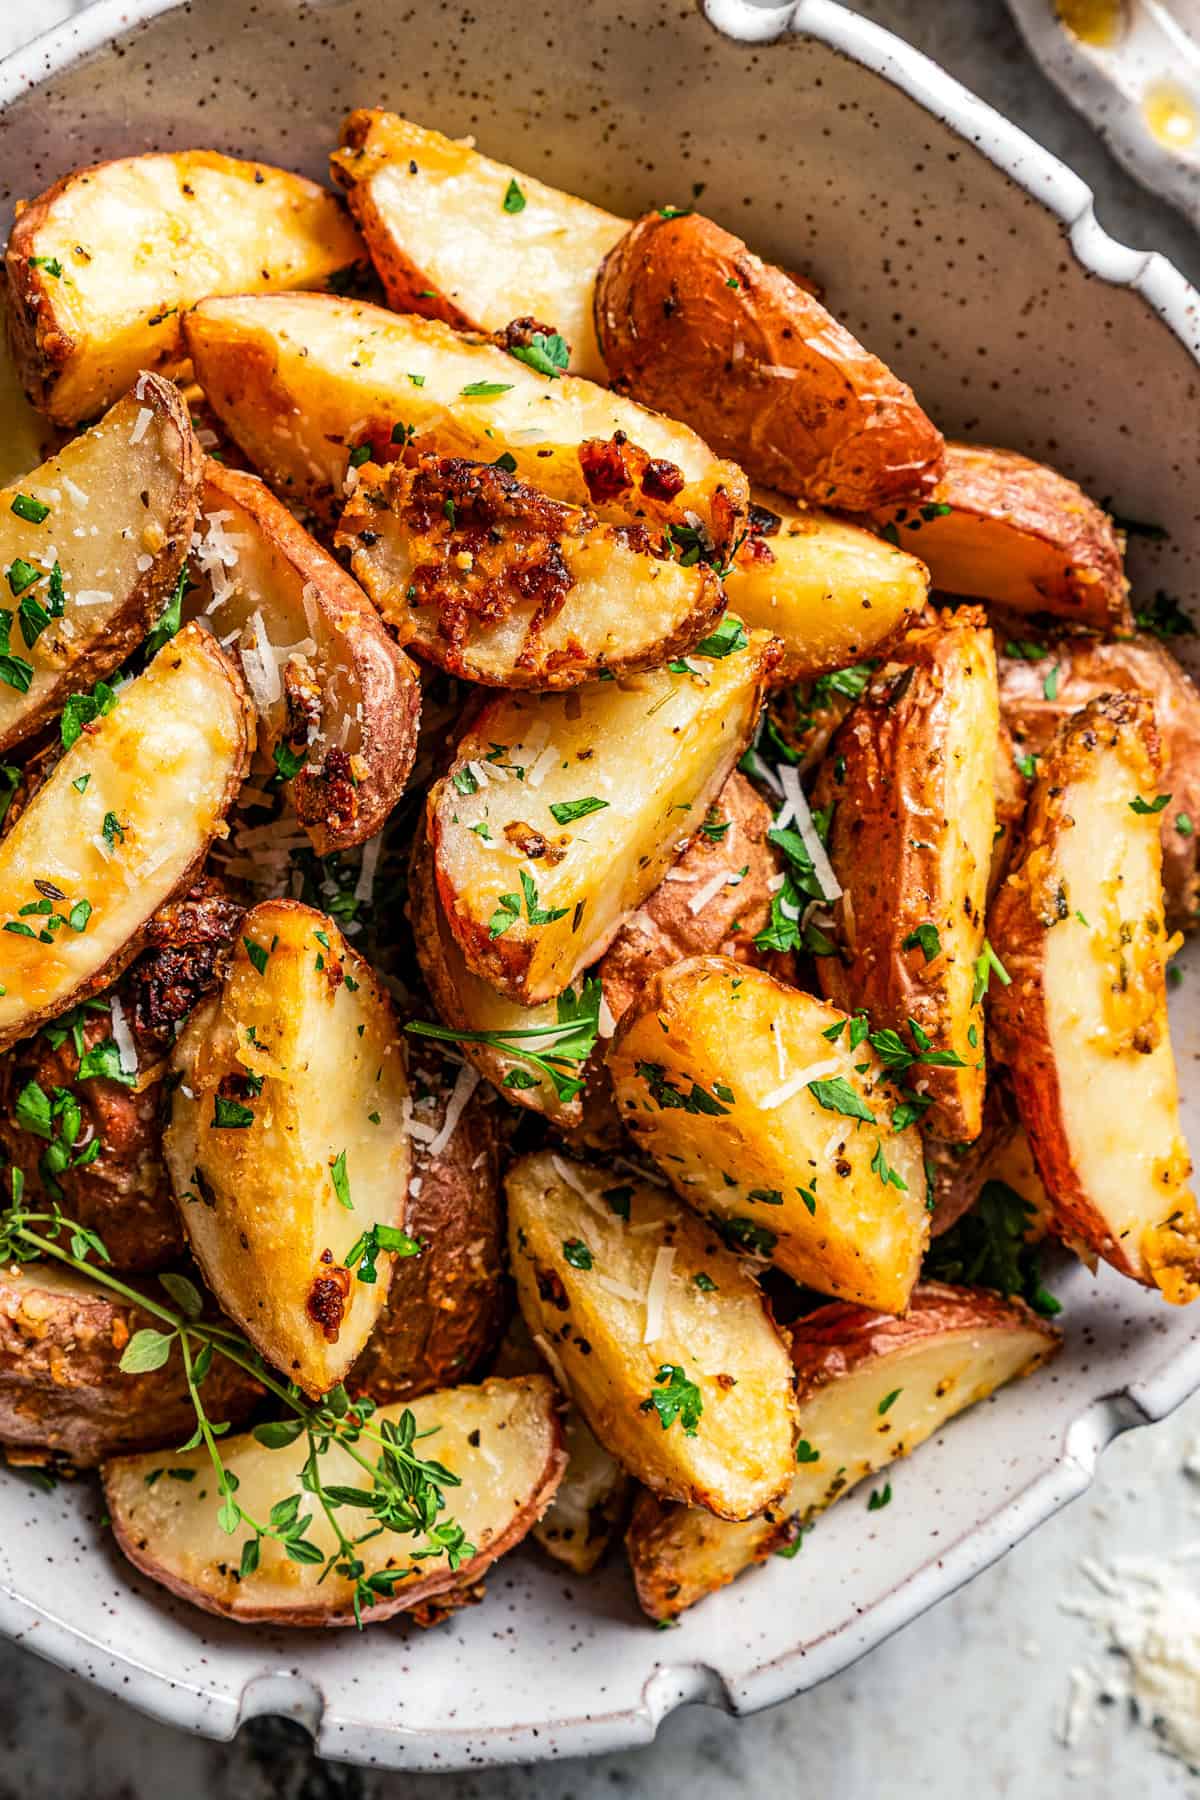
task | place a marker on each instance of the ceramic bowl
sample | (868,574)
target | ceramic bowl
(971,261)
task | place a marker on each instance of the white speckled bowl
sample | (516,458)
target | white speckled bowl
(971,261)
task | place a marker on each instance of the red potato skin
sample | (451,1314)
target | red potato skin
(691,323)
(958,1171)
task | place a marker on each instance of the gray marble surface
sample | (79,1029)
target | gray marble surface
(968,1699)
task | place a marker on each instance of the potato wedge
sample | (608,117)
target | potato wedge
(62,1390)
(830,590)
(287,1142)
(165,762)
(484,576)
(1082,1022)
(27,438)
(112,513)
(1000,527)
(911,779)
(301,380)
(328,682)
(459,237)
(446,1306)
(102,266)
(684,1380)
(870,1389)
(537,870)
(502,1440)
(762,1120)
(1037,691)
(690,322)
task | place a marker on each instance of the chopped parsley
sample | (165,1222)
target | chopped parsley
(483,390)
(230,1115)
(837,1096)
(677,1398)
(365,1251)
(514,199)
(987,1248)
(1138,805)
(670,1098)
(560,1048)
(577,1253)
(986,965)
(565,812)
(31,510)
(547,352)
(341,1181)
(926,939)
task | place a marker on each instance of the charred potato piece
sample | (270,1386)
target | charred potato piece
(658,1334)
(690,322)
(831,591)
(102,266)
(287,1144)
(562,812)
(304,381)
(484,576)
(502,1440)
(1002,528)
(870,1389)
(62,1389)
(756,1106)
(911,780)
(1037,691)
(1082,1020)
(93,542)
(459,237)
(331,688)
(161,767)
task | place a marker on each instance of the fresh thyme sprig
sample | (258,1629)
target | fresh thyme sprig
(563,1045)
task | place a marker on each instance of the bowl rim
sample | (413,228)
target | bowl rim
(1168,294)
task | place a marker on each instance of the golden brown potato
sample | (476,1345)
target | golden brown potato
(764,1115)
(329,684)
(870,1388)
(999,527)
(690,322)
(911,780)
(92,543)
(102,266)
(562,812)
(657,1332)
(1039,690)
(502,1440)
(120,825)
(1082,1020)
(830,590)
(1011,792)
(61,1386)
(486,577)
(458,237)
(287,1143)
(305,382)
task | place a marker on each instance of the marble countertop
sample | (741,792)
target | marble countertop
(973,1696)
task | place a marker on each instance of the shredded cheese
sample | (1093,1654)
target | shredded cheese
(141,425)
(364,887)
(605,1023)
(656,1294)
(796,807)
(466,1081)
(621,1289)
(542,767)
(123,1038)
(551,1355)
(793,1084)
(700,899)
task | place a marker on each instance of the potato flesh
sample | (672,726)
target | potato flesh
(741,1455)
(656,748)
(500,1439)
(829,590)
(433,213)
(327,1092)
(165,762)
(121,514)
(734,1030)
(141,239)
(299,379)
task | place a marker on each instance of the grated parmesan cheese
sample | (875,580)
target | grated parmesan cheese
(700,899)
(793,1084)
(542,767)
(466,1081)
(123,1038)
(551,1355)
(364,887)
(74,492)
(92,596)
(605,1023)
(656,1294)
(796,807)
(621,1289)
(141,425)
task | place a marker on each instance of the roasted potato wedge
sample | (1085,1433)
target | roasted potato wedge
(93,542)
(562,812)
(911,779)
(62,1389)
(830,590)
(302,381)
(459,237)
(27,438)
(102,266)
(1082,1021)
(446,1306)
(690,322)
(870,1389)
(502,1440)
(1037,691)
(764,1119)
(484,576)
(160,768)
(329,684)
(1002,528)
(657,1333)
(287,1142)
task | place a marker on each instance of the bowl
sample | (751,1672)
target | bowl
(971,261)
